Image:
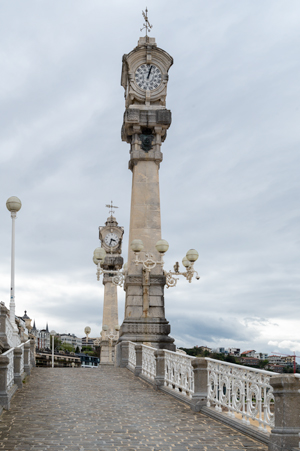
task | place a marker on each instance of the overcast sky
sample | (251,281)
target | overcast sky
(229,180)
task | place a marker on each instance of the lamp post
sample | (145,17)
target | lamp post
(53,333)
(98,259)
(162,246)
(149,263)
(87,331)
(13,204)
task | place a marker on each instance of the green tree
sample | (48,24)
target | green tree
(67,347)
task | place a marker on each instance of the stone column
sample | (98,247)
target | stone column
(199,397)
(160,368)
(110,320)
(27,366)
(17,367)
(124,354)
(145,321)
(285,434)
(4,398)
(32,352)
(139,357)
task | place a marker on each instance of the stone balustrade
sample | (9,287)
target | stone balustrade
(261,404)
(15,364)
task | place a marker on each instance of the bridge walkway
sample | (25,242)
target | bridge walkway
(79,409)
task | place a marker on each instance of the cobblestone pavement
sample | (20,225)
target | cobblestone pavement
(107,409)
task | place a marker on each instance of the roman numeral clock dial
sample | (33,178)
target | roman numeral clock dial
(111,240)
(148,76)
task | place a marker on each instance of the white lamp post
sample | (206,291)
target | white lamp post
(13,205)
(53,333)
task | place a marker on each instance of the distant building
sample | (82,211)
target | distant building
(276,368)
(250,353)
(275,360)
(90,342)
(88,360)
(261,355)
(236,352)
(204,348)
(72,340)
(42,337)
(251,361)
(61,359)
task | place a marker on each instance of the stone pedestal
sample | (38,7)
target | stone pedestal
(139,358)
(160,368)
(32,351)
(27,367)
(17,367)
(199,398)
(285,434)
(4,396)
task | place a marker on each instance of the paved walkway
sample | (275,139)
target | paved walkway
(107,409)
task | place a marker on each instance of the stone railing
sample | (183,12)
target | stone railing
(15,364)
(10,374)
(9,332)
(242,392)
(261,404)
(179,374)
(148,362)
(132,356)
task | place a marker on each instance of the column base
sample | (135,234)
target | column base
(151,331)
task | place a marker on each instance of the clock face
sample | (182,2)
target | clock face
(111,239)
(148,76)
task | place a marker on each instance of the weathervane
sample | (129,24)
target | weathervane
(146,25)
(111,206)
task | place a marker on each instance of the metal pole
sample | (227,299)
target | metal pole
(52,351)
(12,305)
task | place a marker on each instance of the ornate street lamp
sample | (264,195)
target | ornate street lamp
(162,246)
(13,205)
(149,263)
(98,259)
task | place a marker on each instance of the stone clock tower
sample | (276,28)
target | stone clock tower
(110,236)
(146,120)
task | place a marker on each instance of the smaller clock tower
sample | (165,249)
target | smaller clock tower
(110,236)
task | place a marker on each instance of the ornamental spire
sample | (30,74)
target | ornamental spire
(146,25)
(111,206)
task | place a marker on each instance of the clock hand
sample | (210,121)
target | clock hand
(149,72)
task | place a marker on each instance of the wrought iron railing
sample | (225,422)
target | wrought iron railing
(179,372)
(243,392)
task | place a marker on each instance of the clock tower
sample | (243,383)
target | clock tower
(146,121)
(110,236)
